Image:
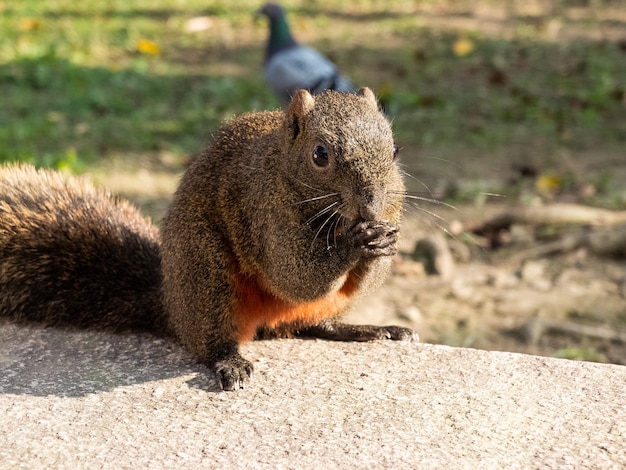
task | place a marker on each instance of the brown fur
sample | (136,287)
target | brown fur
(258,238)
(73,255)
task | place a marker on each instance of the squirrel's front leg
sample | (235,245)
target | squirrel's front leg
(223,336)
(200,296)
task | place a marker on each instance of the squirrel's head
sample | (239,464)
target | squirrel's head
(342,144)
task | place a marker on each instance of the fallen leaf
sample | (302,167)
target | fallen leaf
(30,24)
(548,184)
(145,46)
(463,47)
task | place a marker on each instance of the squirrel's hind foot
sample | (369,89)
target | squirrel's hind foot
(399,333)
(337,331)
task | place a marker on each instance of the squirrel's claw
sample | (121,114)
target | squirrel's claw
(399,333)
(394,333)
(233,373)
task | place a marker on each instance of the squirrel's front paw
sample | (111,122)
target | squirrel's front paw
(233,372)
(376,238)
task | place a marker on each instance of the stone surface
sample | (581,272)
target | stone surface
(73,399)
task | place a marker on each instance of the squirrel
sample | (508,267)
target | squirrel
(275,230)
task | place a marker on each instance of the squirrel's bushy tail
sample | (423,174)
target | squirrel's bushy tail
(74,255)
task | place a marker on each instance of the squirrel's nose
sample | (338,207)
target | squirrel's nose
(370,206)
(367,213)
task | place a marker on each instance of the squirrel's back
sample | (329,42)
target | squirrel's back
(71,254)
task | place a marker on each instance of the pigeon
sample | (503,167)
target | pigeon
(290,66)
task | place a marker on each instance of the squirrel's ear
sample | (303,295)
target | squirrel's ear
(368,94)
(301,103)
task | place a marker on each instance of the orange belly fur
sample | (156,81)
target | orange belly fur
(257,307)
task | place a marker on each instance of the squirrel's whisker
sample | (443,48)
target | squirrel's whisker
(415,178)
(426,211)
(465,235)
(339,211)
(335,230)
(316,198)
(426,199)
(438,159)
(436,224)
(329,218)
(309,186)
(330,228)
(321,213)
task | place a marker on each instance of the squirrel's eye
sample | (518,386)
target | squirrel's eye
(395,151)
(320,156)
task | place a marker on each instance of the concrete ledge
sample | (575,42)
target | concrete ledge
(87,399)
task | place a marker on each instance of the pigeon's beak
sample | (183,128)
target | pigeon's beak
(258,14)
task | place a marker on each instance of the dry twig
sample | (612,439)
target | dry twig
(606,236)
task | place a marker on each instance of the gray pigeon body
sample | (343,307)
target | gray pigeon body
(290,66)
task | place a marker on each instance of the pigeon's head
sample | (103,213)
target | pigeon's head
(272,11)
(280,37)
(342,144)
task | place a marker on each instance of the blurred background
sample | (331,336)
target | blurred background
(495,104)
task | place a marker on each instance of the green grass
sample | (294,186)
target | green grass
(580,354)
(76,88)
(58,108)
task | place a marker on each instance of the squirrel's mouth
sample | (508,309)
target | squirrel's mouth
(336,218)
